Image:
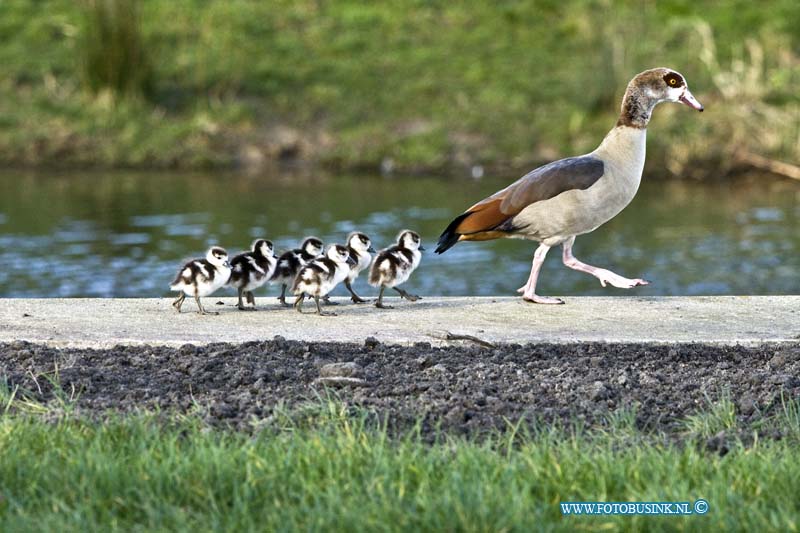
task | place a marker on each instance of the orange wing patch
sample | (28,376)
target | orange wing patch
(483,236)
(483,217)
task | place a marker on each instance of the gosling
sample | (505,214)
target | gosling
(202,277)
(290,263)
(321,276)
(250,270)
(360,248)
(394,265)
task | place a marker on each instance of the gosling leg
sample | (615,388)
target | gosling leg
(179,302)
(407,295)
(319,309)
(354,297)
(379,304)
(200,308)
(282,297)
(298,302)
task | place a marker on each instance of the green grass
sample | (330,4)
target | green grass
(328,470)
(430,85)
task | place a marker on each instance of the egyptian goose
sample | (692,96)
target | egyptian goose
(321,275)
(202,277)
(360,249)
(394,265)
(250,270)
(558,201)
(290,263)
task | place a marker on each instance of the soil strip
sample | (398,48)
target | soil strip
(463,389)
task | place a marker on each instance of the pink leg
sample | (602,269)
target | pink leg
(605,276)
(529,289)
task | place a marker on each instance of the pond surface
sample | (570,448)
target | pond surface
(125,235)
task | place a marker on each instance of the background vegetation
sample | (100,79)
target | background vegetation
(410,85)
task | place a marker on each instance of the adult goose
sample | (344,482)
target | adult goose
(558,201)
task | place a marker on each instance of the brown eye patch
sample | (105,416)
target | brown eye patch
(673,80)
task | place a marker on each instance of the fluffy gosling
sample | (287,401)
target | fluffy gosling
(321,275)
(394,265)
(250,270)
(360,248)
(290,263)
(202,277)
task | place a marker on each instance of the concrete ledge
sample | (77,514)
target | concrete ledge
(100,323)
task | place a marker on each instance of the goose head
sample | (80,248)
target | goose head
(340,254)
(312,246)
(648,89)
(264,248)
(359,241)
(410,240)
(218,257)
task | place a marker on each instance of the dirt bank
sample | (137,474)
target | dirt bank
(462,389)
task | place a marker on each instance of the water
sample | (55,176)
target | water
(125,235)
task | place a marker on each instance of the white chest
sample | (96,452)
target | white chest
(206,286)
(623,153)
(364,260)
(329,281)
(405,268)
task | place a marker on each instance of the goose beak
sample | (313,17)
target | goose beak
(421,248)
(226,264)
(350,260)
(689,99)
(371,250)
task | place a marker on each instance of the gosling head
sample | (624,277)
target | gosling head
(340,254)
(359,241)
(218,257)
(263,248)
(410,240)
(312,246)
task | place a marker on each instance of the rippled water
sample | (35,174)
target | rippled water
(126,234)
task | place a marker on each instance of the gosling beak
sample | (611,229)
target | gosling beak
(371,249)
(688,98)
(350,260)
(226,264)
(421,248)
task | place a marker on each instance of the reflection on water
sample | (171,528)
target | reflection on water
(126,234)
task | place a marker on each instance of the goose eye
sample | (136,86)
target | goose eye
(673,81)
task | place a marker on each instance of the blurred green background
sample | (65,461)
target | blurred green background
(418,87)
(134,135)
